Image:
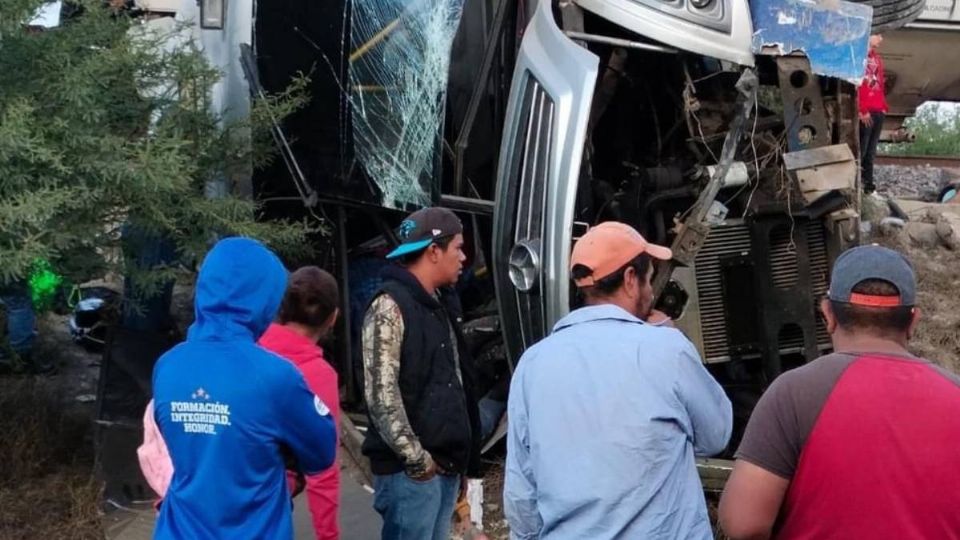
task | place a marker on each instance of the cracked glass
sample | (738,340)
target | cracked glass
(399,60)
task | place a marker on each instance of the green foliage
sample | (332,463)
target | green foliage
(43,284)
(937,128)
(102,124)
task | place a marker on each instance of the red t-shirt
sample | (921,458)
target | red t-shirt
(870,444)
(871,96)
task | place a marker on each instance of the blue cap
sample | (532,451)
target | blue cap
(873,262)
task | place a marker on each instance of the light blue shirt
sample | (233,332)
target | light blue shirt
(605,418)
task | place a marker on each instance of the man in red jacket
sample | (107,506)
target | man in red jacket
(873,109)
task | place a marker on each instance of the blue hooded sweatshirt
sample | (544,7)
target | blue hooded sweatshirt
(227,408)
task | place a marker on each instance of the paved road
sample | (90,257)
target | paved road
(358,520)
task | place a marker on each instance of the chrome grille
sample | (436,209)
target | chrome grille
(531,167)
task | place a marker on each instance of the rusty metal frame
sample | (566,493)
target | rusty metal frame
(695,228)
(803,110)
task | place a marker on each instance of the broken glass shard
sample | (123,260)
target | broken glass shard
(399,58)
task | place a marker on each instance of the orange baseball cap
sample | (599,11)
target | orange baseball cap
(607,247)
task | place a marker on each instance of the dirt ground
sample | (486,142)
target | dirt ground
(494,524)
(938,282)
(47,484)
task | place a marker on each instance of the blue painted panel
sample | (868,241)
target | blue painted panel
(832,33)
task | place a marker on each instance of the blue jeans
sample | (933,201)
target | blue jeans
(413,510)
(491,411)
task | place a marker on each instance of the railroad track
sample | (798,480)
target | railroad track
(951,162)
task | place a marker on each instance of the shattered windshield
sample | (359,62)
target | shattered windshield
(399,58)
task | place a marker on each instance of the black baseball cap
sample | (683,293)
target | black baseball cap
(873,262)
(423,228)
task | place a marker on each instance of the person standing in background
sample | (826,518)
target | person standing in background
(424,433)
(860,443)
(307,314)
(608,412)
(228,410)
(873,109)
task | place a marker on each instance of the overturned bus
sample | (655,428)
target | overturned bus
(726,129)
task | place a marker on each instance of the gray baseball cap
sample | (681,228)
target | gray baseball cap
(873,262)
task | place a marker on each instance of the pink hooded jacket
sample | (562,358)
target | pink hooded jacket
(154,459)
(323,490)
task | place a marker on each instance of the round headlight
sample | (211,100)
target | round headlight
(524,263)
